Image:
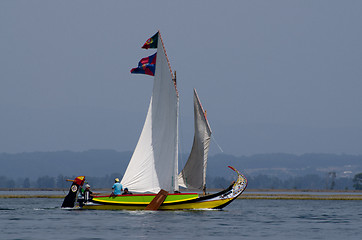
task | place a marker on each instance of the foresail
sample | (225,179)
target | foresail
(153,165)
(194,173)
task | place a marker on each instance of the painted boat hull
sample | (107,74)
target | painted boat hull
(206,202)
(177,201)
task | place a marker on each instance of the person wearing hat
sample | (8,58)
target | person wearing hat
(117,187)
(87,193)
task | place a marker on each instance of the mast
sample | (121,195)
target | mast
(175,176)
(175,181)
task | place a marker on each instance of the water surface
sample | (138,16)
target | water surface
(38,218)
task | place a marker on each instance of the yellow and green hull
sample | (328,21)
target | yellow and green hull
(176,201)
(180,206)
(172,202)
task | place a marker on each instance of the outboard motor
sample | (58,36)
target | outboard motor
(69,200)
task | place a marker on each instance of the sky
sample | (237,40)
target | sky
(274,76)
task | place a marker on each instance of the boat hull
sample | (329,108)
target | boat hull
(179,206)
(177,201)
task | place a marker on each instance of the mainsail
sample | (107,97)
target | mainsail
(194,173)
(154,163)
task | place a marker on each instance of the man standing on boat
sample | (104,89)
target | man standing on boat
(117,187)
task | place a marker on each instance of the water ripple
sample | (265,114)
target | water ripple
(243,219)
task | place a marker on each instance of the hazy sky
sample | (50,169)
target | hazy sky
(274,76)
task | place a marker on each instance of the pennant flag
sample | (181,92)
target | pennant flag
(146,66)
(151,42)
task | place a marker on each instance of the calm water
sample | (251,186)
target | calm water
(36,218)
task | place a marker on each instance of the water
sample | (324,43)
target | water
(45,193)
(40,218)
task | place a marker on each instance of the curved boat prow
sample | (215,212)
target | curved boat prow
(69,200)
(232,192)
(240,184)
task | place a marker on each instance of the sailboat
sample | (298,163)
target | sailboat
(152,173)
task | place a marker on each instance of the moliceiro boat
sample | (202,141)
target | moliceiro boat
(152,173)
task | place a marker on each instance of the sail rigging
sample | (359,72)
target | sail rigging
(193,174)
(154,163)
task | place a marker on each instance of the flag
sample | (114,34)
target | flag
(147,65)
(151,42)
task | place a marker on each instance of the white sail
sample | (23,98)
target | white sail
(154,163)
(194,173)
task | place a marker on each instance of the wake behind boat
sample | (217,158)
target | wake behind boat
(152,172)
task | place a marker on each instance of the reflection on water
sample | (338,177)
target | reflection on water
(37,218)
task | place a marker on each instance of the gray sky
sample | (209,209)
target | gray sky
(274,76)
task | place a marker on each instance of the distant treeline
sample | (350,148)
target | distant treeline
(314,182)
(102,162)
(264,171)
(56,182)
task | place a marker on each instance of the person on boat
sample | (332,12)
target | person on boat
(88,194)
(117,187)
(126,192)
(81,192)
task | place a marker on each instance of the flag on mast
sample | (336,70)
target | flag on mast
(151,42)
(147,66)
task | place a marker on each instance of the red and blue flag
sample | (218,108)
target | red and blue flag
(147,66)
